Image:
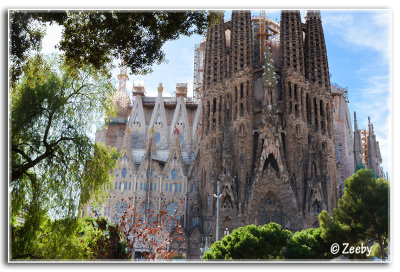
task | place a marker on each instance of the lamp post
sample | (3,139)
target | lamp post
(218,196)
(205,248)
(226,232)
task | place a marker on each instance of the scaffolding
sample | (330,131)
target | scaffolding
(267,32)
(262,34)
(199,53)
(123,77)
(275,29)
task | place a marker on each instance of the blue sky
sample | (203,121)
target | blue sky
(358,46)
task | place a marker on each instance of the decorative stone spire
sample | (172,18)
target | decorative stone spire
(357,150)
(291,48)
(241,41)
(121,98)
(215,59)
(160,88)
(316,60)
(373,151)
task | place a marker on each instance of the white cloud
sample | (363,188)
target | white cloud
(361,31)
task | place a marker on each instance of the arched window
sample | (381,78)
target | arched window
(313,169)
(272,161)
(308,108)
(121,207)
(227,203)
(174,174)
(157,137)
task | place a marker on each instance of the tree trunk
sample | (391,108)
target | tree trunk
(382,248)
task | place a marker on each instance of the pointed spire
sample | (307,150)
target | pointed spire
(357,148)
(355,122)
(241,41)
(215,53)
(121,98)
(160,88)
(373,152)
(316,60)
(291,48)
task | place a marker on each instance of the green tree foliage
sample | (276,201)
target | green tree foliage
(251,242)
(53,160)
(308,244)
(362,213)
(27,30)
(97,37)
(69,239)
(105,241)
(268,77)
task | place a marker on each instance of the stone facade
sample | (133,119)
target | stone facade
(270,145)
(275,156)
(343,134)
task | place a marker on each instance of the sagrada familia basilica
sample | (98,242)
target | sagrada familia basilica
(267,125)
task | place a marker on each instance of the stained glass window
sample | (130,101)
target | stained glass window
(174,174)
(123,173)
(115,219)
(157,137)
(121,207)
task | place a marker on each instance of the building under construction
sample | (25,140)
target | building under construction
(263,124)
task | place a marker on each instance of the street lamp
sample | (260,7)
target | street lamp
(226,232)
(205,248)
(218,196)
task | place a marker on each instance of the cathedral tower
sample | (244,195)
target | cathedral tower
(292,51)
(241,86)
(315,50)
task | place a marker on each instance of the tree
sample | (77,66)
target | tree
(69,239)
(251,242)
(308,244)
(54,164)
(97,37)
(27,30)
(158,232)
(362,213)
(105,241)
